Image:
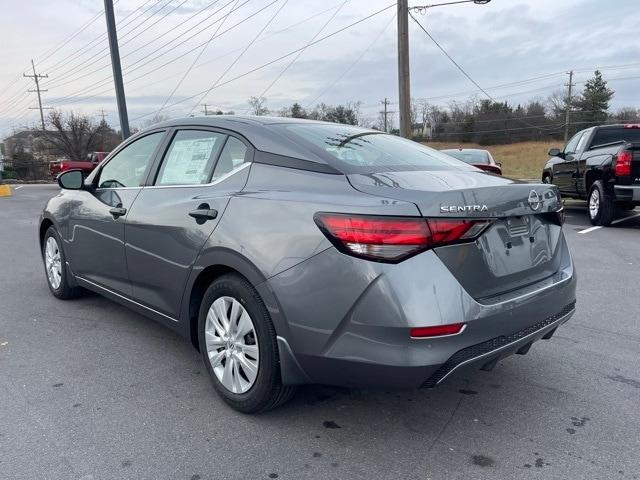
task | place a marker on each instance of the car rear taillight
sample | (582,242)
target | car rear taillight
(391,239)
(623,164)
(61,166)
(437,330)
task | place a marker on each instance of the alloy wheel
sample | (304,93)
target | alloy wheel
(594,203)
(232,344)
(53,263)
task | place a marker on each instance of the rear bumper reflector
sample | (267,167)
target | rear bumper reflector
(485,348)
(437,330)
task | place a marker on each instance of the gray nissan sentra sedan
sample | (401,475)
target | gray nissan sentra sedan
(293,252)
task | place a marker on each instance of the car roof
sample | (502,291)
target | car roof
(256,130)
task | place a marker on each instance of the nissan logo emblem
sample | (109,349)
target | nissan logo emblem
(534,200)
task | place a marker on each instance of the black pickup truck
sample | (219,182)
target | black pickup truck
(601,165)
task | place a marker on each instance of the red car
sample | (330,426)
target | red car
(476,157)
(93,159)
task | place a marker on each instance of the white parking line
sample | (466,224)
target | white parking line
(18,188)
(591,229)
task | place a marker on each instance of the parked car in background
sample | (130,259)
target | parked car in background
(599,164)
(87,166)
(290,251)
(476,157)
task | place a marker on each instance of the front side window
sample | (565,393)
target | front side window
(127,167)
(572,145)
(233,155)
(190,158)
(356,150)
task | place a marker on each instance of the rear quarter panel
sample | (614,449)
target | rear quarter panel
(268,228)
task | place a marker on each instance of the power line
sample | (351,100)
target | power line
(214,59)
(101,38)
(353,64)
(129,69)
(282,57)
(195,60)
(240,55)
(101,54)
(462,70)
(294,59)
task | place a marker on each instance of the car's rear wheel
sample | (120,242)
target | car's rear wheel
(55,266)
(601,206)
(546,178)
(239,348)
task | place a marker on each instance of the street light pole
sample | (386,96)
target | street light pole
(117,69)
(404,80)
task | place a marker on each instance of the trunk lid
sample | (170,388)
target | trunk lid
(521,247)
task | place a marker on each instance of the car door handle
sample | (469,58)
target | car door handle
(203,213)
(118,212)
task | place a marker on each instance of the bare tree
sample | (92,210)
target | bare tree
(556,104)
(157,118)
(72,134)
(258,106)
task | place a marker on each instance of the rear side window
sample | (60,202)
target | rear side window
(609,135)
(469,156)
(233,155)
(190,158)
(356,150)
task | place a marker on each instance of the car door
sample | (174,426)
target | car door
(564,172)
(580,158)
(98,215)
(174,216)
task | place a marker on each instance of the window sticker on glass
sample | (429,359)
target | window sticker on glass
(190,157)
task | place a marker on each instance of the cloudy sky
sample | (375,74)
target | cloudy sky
(239,48)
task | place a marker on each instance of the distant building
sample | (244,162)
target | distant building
(422,130)
(19,142)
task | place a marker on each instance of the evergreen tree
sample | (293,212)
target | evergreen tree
(593,104)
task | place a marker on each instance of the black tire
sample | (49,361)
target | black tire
(546,178)
(267,391)
(604,213)
(64,291)
(626,206)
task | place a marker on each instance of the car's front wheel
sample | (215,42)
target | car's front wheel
(239,348)
(601,206)
(55,266)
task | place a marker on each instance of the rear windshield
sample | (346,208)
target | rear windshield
(356,150)
(610,135)
(469,156)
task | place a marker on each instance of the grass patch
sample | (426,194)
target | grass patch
(519,160)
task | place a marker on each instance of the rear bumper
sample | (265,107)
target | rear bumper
(348,320)
(488,353)
(627,193)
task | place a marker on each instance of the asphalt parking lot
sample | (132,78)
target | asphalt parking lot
(90,390)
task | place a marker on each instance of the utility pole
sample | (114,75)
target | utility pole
(385,112)
(404,86)
(568,106)
(403,69)
(117,69)
(206,112)
(102,114)
(37,78)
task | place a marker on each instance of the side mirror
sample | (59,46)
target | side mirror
(554,152)
(71,180)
